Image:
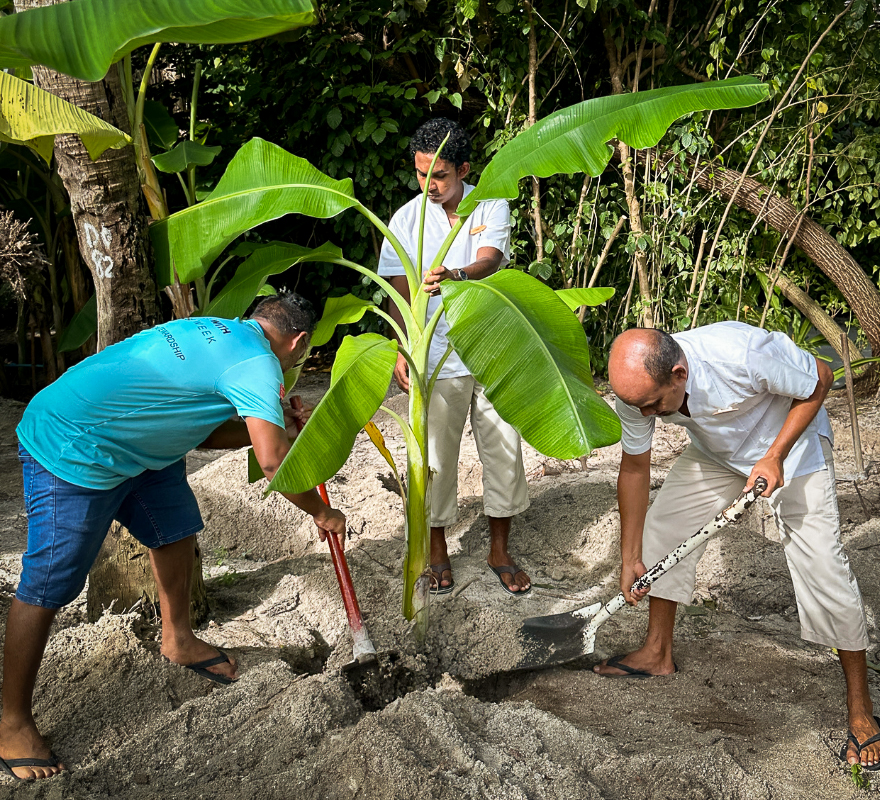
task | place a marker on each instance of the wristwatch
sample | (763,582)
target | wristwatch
(460,275)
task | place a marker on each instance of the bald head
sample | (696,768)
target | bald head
(648,369)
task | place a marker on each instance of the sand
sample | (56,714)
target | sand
(754,712)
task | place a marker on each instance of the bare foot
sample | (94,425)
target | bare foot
(193,650)
(864,727)
(644,660)
(25,742)
(439,555)
(516,583)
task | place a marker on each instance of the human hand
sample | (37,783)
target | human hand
(771,469)
(401,373)
(331,521)
(433,277)
(295,416)
(629,573)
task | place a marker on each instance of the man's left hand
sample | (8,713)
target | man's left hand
(291,415)
(770,468)
(433,277)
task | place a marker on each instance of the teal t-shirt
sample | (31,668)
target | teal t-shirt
(145,402)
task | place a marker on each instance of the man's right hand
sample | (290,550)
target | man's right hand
(332,520)
(401,373)
(629,574)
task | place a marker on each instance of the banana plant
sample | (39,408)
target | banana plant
(518,337)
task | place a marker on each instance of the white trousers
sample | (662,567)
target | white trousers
(829,602)
(505,491)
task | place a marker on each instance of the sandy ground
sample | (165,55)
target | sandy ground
(755,712)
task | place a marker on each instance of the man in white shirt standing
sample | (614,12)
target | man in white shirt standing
(479,250)
(751,402)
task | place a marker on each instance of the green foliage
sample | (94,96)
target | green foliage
(83,324)
(184,155)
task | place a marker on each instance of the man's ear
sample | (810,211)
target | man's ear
(302,336)
(464,169)
(679,372)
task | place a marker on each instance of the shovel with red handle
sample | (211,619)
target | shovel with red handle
(363,650)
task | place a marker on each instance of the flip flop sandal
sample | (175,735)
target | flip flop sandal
(201,668)
(8,765)
(859,746)
(437,571)
(630,672)
(512,571)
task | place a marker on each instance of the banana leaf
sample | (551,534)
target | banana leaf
(525,346)
(233,300)
(575,298)
(339,311)
(162,130)
(358,384)
(261,183)
(33,117)
(186,154)
(84,38)
(575,139)
(81,327)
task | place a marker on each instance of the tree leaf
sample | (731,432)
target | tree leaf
(33,117)
(185,155)
(261,183)
(339,311)
(81,327)
(530,353)
(358,384)
(162,130)
(575,298)
(233,300)
(574,139)
(84,38)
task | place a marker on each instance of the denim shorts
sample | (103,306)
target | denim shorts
(67,524)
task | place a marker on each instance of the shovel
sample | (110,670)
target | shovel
(558,638)
(364,654)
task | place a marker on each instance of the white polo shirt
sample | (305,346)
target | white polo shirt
(487,226)
(741,381)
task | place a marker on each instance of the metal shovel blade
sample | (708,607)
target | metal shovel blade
(555,639)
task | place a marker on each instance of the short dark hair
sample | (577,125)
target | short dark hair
(429,137)
(662,357)
(289,312)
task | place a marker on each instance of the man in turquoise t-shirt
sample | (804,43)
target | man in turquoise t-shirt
(107,441)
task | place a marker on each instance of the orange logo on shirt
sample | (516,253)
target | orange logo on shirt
(281,392)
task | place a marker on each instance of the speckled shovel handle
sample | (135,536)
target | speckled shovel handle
(730,514)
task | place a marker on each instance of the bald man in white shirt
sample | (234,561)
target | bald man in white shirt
(751,402)
(479,250)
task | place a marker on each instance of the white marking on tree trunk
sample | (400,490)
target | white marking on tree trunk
(103,262)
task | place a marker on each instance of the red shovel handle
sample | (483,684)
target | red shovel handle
(346,587)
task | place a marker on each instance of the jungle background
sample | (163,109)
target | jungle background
(658,226)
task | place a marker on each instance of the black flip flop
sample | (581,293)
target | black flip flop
(512,571)
(630,672)
(8,765)
(437,571)
(201,668)
(859,745)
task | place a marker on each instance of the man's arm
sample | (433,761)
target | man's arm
(270,447)
(233,434)
(633,485)
(800,415)
(487,263)
(401,369)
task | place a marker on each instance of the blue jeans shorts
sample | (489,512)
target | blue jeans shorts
(67,524)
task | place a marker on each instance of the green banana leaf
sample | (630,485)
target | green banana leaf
(84,38)
(574,139)
(529,351)
(162,130)
(81,327)
(261,183)
(339,311)
(33,117)
(233,300)
(358,383)
(185,155)
(575,298)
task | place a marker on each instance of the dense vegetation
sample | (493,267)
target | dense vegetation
(346,93)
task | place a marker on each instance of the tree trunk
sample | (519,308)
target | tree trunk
(533,118)
(109,216)
(814,241)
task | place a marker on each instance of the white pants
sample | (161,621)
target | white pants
(829,602)
(505,491)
